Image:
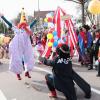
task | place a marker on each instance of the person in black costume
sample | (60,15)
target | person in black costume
(95,47)
(61,79)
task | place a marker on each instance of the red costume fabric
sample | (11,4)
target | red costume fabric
(84,37)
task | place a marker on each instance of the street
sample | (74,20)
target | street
(36,89)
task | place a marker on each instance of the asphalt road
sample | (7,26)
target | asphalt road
(36,89)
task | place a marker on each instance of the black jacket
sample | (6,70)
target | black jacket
(96,48)
(62,71)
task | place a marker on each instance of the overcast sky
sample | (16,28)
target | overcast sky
(11,8)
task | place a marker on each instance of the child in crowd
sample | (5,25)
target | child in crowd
(40,49)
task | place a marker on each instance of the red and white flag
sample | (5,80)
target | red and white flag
(73,40)
(68,23)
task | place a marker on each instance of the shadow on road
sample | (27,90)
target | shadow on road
(40,86)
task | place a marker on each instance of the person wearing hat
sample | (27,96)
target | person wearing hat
(20,48)
(61,79)
(85,42)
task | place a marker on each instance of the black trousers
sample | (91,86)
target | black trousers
(50,82)
(70,94)
(95,56)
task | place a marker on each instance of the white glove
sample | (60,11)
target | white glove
(96,62)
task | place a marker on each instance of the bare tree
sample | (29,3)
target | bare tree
(82,4)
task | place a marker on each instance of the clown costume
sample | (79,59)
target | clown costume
(20,48)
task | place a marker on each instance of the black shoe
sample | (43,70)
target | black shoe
(98,75)
(96,67)
(82,63)
(90,68)
(88,96)
(1,63)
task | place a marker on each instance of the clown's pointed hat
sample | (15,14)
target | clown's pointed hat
(23,21)
(23,17)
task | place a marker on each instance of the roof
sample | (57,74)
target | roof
(41,14)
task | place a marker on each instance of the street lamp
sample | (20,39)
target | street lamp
(38,15)
(38,5)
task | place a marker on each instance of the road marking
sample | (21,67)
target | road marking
(41,69)
(2,96)
(95,90)
(76,64)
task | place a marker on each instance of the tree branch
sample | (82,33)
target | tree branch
(73,1)
(77,1)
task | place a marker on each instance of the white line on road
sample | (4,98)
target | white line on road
(76,64)
(41,69)
(95,90)
(2,96)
